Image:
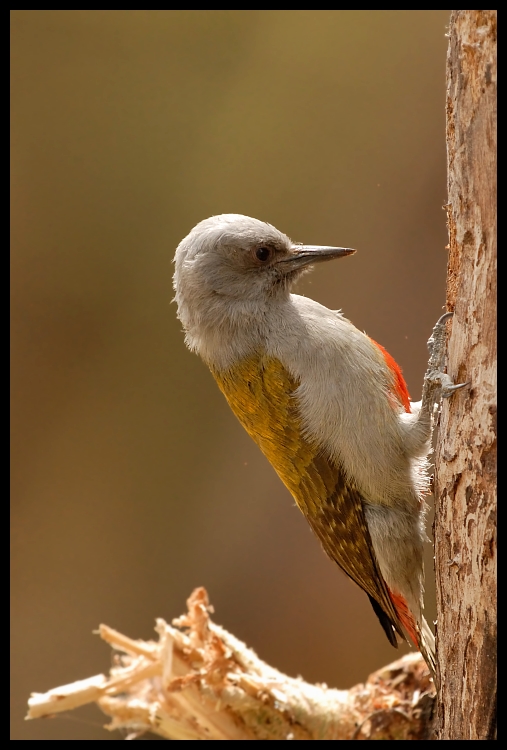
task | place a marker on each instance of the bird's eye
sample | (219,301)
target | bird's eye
(263,254)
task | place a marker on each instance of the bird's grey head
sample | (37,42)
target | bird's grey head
(232,266)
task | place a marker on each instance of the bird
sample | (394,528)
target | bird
(325,403)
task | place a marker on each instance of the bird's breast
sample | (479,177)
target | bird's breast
(312,384)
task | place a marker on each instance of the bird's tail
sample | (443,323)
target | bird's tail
(426,645)
(418,633)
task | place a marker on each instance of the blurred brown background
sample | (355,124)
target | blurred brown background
(132,482)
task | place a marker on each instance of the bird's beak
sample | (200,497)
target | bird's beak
(305,255)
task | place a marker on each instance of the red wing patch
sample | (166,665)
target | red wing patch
(400,387)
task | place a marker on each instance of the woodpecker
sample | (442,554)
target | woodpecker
(326,404)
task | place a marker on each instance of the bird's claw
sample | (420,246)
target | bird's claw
(436,342)
(436,380)
(449,389)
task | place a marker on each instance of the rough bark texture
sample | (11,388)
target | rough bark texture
(465,525)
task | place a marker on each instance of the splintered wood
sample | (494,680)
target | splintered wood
(199,682)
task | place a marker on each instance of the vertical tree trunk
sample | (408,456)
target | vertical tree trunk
(465,482)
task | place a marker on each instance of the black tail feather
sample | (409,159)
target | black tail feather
(385,621)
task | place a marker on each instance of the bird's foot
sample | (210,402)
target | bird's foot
(437,383)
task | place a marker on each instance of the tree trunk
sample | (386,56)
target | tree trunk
(465,481)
